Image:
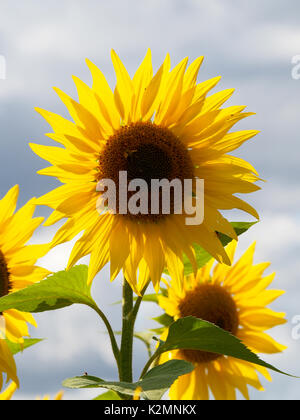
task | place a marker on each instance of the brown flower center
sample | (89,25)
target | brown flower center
(5,285)
(145,151)
(214,304)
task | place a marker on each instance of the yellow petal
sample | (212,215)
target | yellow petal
(91,102)
(190,77)
(261,319)
(103,91)
(9,392)
(216,382)
(150,96)
(124,84)
(172,93)
(141,81)
(260,342)
(119,248)
(8,204)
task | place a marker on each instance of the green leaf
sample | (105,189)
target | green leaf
(17,348)
(159,379)
(57,291)
(202,256)
(196,334)
(164,320)
(154,384)
(107,396)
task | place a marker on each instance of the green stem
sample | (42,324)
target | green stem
(149,363)
(112,337)
(127,334)
(138,303)
(129,315)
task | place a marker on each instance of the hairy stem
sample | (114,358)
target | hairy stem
(112,337)
(129,315)
(127,333)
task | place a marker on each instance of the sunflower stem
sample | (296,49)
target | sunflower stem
(112,337)
(138,303)
(129,315)
(127,335)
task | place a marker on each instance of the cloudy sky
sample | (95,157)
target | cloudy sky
(251,44)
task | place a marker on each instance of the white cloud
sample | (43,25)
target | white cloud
(45,37)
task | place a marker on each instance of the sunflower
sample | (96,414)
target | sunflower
(7,366)
(152,127)
(17,261)
(58,397)
(8,393)
(235,299)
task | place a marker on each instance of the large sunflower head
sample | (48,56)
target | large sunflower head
(161,126)
(17,261)
(235,299)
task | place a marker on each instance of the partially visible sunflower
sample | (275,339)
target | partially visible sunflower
(17,261)
(7,367)
(8,393)
(161,126)
(58,397)
(235,299)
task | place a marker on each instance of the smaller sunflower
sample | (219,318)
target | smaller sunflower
(8,367)
(58,397)
(8,393)
(17,271)
(235,299)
